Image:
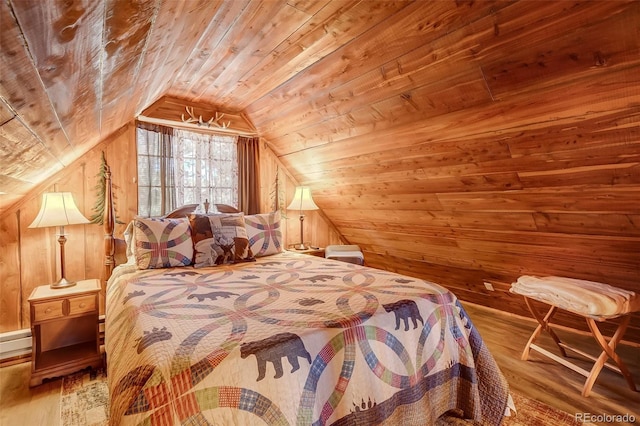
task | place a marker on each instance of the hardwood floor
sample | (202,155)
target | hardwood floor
(21,405)
(505,335)
(547,381)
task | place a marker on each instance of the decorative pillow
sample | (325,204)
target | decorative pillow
(230,234)
(162,243)
(219,238)
(207,252)
(265,235)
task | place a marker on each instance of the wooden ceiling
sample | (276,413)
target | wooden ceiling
(72,72)
(321,80)
(458,134)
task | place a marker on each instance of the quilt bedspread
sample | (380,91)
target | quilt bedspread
(292,340)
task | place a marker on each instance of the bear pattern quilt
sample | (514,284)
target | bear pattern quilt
(292,340)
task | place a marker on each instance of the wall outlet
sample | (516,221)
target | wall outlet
(488,286)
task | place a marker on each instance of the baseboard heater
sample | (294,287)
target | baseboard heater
(15,343)
(18,343)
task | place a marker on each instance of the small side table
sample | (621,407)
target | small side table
(317,251)
(64,329)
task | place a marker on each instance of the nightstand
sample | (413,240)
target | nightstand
(64,330)
(317,251)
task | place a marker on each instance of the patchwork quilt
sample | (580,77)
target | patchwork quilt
(292,340)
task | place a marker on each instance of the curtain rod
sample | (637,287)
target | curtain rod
(195,127)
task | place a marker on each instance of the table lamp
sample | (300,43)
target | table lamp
(302,200)
(59,209)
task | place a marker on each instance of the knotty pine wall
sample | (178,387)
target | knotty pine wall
(318,229)
(487,141)
(30,257)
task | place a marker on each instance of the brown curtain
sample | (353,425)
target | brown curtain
(249,175)
(155,149)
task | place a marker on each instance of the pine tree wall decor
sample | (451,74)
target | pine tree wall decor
(98,208)
(277,195)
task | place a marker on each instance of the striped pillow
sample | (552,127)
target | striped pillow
(162,243)
(264,232)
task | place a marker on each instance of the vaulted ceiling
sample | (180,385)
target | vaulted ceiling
(318,78)
(72,72)
(308,73)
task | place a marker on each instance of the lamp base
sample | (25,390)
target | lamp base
(301,246)
(63,283)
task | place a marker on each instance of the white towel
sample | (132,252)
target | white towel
(579,296)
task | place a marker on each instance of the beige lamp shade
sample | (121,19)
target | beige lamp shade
(58,209)
(302,199)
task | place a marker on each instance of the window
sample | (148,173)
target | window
(207,168)
(177,167)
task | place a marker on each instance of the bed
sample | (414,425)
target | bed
(292,339)
(250,334)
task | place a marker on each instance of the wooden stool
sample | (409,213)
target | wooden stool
(608,349)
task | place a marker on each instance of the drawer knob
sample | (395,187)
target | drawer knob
(48,310)
(82,305)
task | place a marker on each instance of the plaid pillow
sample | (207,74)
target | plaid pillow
(265,235)
(162,243)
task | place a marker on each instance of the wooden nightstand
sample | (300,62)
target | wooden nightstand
(318,251)
(64,329)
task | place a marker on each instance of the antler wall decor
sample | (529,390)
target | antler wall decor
(214,121)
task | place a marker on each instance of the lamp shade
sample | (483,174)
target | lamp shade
(58,209)
(302,199)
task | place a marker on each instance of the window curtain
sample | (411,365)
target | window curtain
(249,175)
(156,177)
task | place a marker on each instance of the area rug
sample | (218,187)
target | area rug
(84,399)
(85,402)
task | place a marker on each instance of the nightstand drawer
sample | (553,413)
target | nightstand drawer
(47,310)
(79,305)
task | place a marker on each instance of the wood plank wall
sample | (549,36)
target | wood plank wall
(318,230)
(487,145)
(30,257)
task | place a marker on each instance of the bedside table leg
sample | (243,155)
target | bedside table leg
(35,381)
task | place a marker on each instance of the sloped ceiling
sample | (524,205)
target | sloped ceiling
(72,72)
(438,132)
(308,73)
